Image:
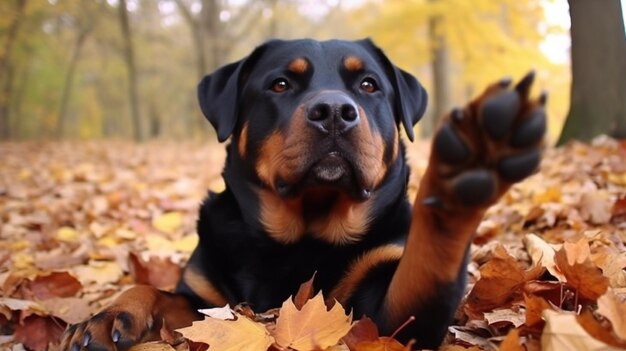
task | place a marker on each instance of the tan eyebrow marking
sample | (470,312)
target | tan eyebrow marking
(353,63)
(299,65)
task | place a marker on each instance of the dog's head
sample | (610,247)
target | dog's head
(317,125)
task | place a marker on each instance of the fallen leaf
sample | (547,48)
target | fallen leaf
(512,342)
(312,327)
(363,330)
(168,222)
(304,294)
(535,306)
(221,313)
(584,276)
(542,254)
(98,272)
(506,316)
(599,329)
(67,234)
(562,332)
(241,334)
(500,283)
(55,284)
(37,332)
(613,308)
(161,273)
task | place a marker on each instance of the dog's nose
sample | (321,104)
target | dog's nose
(332,112)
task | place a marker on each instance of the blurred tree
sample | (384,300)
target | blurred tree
(6,69)
(457,46)
(131,66)
(88,13)
(598,102)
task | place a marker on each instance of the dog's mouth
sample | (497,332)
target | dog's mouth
(332,172)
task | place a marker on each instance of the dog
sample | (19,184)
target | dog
(316,183)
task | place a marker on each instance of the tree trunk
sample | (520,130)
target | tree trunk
(62,121)
(598,98)
(442,87)
(6,80)
(196,34)
(129,58)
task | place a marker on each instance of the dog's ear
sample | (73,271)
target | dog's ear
(218,93)
(410,97)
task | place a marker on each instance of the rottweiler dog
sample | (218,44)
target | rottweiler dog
(316,182)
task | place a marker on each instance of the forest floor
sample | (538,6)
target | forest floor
(81,221)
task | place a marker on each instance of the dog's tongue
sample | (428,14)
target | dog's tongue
(331,169)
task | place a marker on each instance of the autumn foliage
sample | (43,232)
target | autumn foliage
(81,221)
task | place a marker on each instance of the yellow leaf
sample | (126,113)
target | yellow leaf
(168,222)
(187,243)
(98,272)
(240,334)
(614,309)
(562,332)
(313,327)
(158,243)
(67,234)
(22,260)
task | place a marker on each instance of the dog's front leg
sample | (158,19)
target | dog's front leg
(477,154)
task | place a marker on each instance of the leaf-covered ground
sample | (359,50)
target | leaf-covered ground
(80,221)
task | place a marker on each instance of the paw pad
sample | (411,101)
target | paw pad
(474,187)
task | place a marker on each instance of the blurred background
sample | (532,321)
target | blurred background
(83,69)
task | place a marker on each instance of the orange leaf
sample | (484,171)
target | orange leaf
(512,342)
(583,276)
(312,327)
(240,334)
(501,279)
(381,344)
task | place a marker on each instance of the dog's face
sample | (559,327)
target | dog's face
(317,123)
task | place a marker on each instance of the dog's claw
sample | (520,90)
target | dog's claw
(523,87)
(116,336)
(86,339)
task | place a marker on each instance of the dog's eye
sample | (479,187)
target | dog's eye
(280,85)
(369,85)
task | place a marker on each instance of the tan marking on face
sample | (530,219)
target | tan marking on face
(371,150)
(270,158)
(243,140)
(353,63)
(359,269)
(202,287)
(395,146)
(299,65)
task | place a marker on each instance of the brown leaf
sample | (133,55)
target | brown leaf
(598,329)
(56,284)
(240,334)
(500,282)
(37,332)
(159,272)
(583,276)
(363,330)
(534,309)
(312,327)
(305,293)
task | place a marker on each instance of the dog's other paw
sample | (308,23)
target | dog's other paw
(481,150)
(119,326)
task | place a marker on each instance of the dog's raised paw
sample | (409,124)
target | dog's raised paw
(496,140)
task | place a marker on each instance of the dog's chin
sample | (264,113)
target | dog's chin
(331,173)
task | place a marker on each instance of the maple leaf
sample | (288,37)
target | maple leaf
(500,282)
(311,328)
(573,261)
(364,337)
(512,342)
(240,334)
